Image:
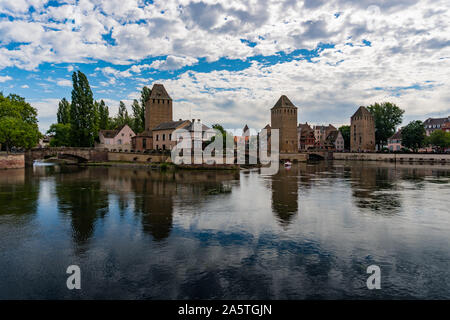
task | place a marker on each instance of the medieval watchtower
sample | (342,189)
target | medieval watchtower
(158,108)
(284,118)
(362,131)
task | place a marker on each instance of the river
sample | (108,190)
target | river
(306,233)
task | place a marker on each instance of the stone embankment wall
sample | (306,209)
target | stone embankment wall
(394,157)
(12,161)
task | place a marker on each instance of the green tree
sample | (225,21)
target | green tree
(345,131)
(14,132)
(413,135)
(103,110)
(122,117)
(61,135)
(440,139)
(138,116)
(83,117)
(387,117)
(18,123)
(16,106)
(63,114)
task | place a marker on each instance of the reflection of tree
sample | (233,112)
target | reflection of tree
(374,188)
(19,192)
(84,201)
(285,195)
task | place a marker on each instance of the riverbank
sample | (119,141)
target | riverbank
(12,161)
(394,157)
(159,166)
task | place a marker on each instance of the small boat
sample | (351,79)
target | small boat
(287,164)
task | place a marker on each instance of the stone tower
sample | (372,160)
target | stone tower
(362,131)
(158,108)
(284,118)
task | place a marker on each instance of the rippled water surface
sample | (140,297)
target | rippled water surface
(306,233)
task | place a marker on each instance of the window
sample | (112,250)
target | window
(170,136)
(122,134)
(144,143)
(164,137)
(157,137)
(164,147)
(119,141)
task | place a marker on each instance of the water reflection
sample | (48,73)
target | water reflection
(307,232)
(285,194)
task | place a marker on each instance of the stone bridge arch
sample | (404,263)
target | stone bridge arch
(77,154)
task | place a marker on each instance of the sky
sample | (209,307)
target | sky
(228,62)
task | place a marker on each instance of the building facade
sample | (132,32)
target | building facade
(306,137)
(119,139)
(395,141)
(322,132)
(362,131)
(284,118)
(433,124)
(335,140)
(162,134)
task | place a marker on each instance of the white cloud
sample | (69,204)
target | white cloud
(173,63)
(64,83)
(25,86)
(410,49)
(5,78)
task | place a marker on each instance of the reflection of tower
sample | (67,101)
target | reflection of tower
(155,204)
(285,195)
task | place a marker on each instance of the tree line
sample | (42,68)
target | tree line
(79,121)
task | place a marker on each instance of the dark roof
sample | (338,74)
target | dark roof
(190,127)
(362,111)
(304,126)
(433,121)
(332,136)
(159,92)
(397,135)
(169,125)
(112,133)
(284,102)
(267,126)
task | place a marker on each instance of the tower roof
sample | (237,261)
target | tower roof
(362,111)
(284,102)
(159,92)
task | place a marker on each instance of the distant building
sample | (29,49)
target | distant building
(119,139)
(446,126)
(305,135)
(162,134)
(433,124)
(44,142)
(265,144)
(335,140)
(362,131)
(199,134)
(395,141)
(284,118)
(322,132)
